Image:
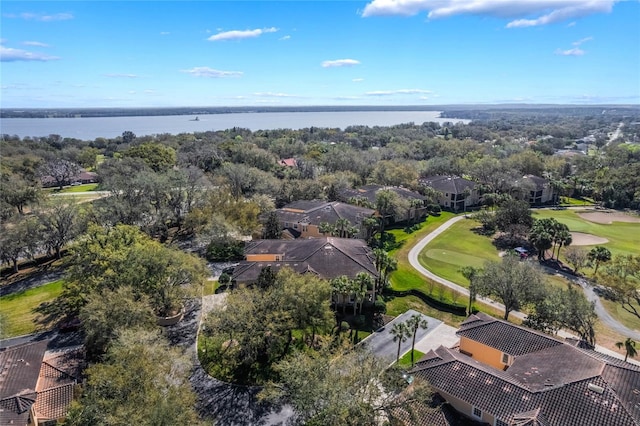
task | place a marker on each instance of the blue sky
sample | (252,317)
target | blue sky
(381,52)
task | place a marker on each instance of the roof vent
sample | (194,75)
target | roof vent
(595,388)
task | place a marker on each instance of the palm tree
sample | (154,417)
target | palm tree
(470,273)
(629,347)
(364,283)
(341,286)
(599,254)
(341,228)
(400,333)
(413,324)
(564,239)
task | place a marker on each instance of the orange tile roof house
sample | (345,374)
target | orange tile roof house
(507,375)
(34,389)
(302,219)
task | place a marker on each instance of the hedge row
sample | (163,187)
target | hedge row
(434,303)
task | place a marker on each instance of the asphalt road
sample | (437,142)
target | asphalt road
(381,341)
(603,315)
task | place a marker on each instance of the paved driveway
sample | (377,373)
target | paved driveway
(381,341)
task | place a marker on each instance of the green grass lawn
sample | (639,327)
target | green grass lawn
(405,360)
(18,309)
(622,236)
(399,305)
(626,318)
(72,189)
(458,246)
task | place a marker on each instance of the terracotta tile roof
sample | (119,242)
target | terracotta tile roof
(19,368)
(53,403)
(549,382)
(504,336)
(315,212)
(554,366)
(327,257)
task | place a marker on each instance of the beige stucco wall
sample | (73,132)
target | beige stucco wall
(482,353)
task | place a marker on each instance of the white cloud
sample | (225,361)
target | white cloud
(239,35)
(35,43)
(211,73)
(571,24)
(40,16)
(528,13)
(576,51)
(357,80)
(582,40)
(164,33)
(287,37)
(8,54)
(340,63)
(116,75)
(149,92)
(398,92)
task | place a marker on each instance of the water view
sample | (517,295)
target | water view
(108,127)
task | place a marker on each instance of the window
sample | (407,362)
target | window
(477,412)
(501,423)
(295,226)
(286,224)
(277,258)
(505,359)
(304,228)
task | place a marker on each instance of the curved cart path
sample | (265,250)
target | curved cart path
(602,313)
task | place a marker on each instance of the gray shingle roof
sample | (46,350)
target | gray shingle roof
(448,184)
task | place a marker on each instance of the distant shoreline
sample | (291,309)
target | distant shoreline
(447,111)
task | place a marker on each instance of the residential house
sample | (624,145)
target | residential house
(456,193)
(540,191)
(288,162)
(507,375)
(36,389)
(302,219)
(368,193)
(81,178)
(326,258)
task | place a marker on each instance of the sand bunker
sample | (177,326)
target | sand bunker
(608,218)
(581,239)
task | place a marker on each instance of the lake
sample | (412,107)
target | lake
(90,128)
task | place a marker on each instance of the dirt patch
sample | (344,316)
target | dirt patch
(608,218)
(581,239)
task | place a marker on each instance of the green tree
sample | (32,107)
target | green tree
(415,322)
(108,312)
(343,387)
(622,277)
(61,222)
(400,332)
(18,192)
(271,229)
(143,381)
(629,348)
(598,255)
(255,328)
(21,237)
(157,157)
(564,308)
(513,282)
(514,217)
(471,274)
(124,256)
